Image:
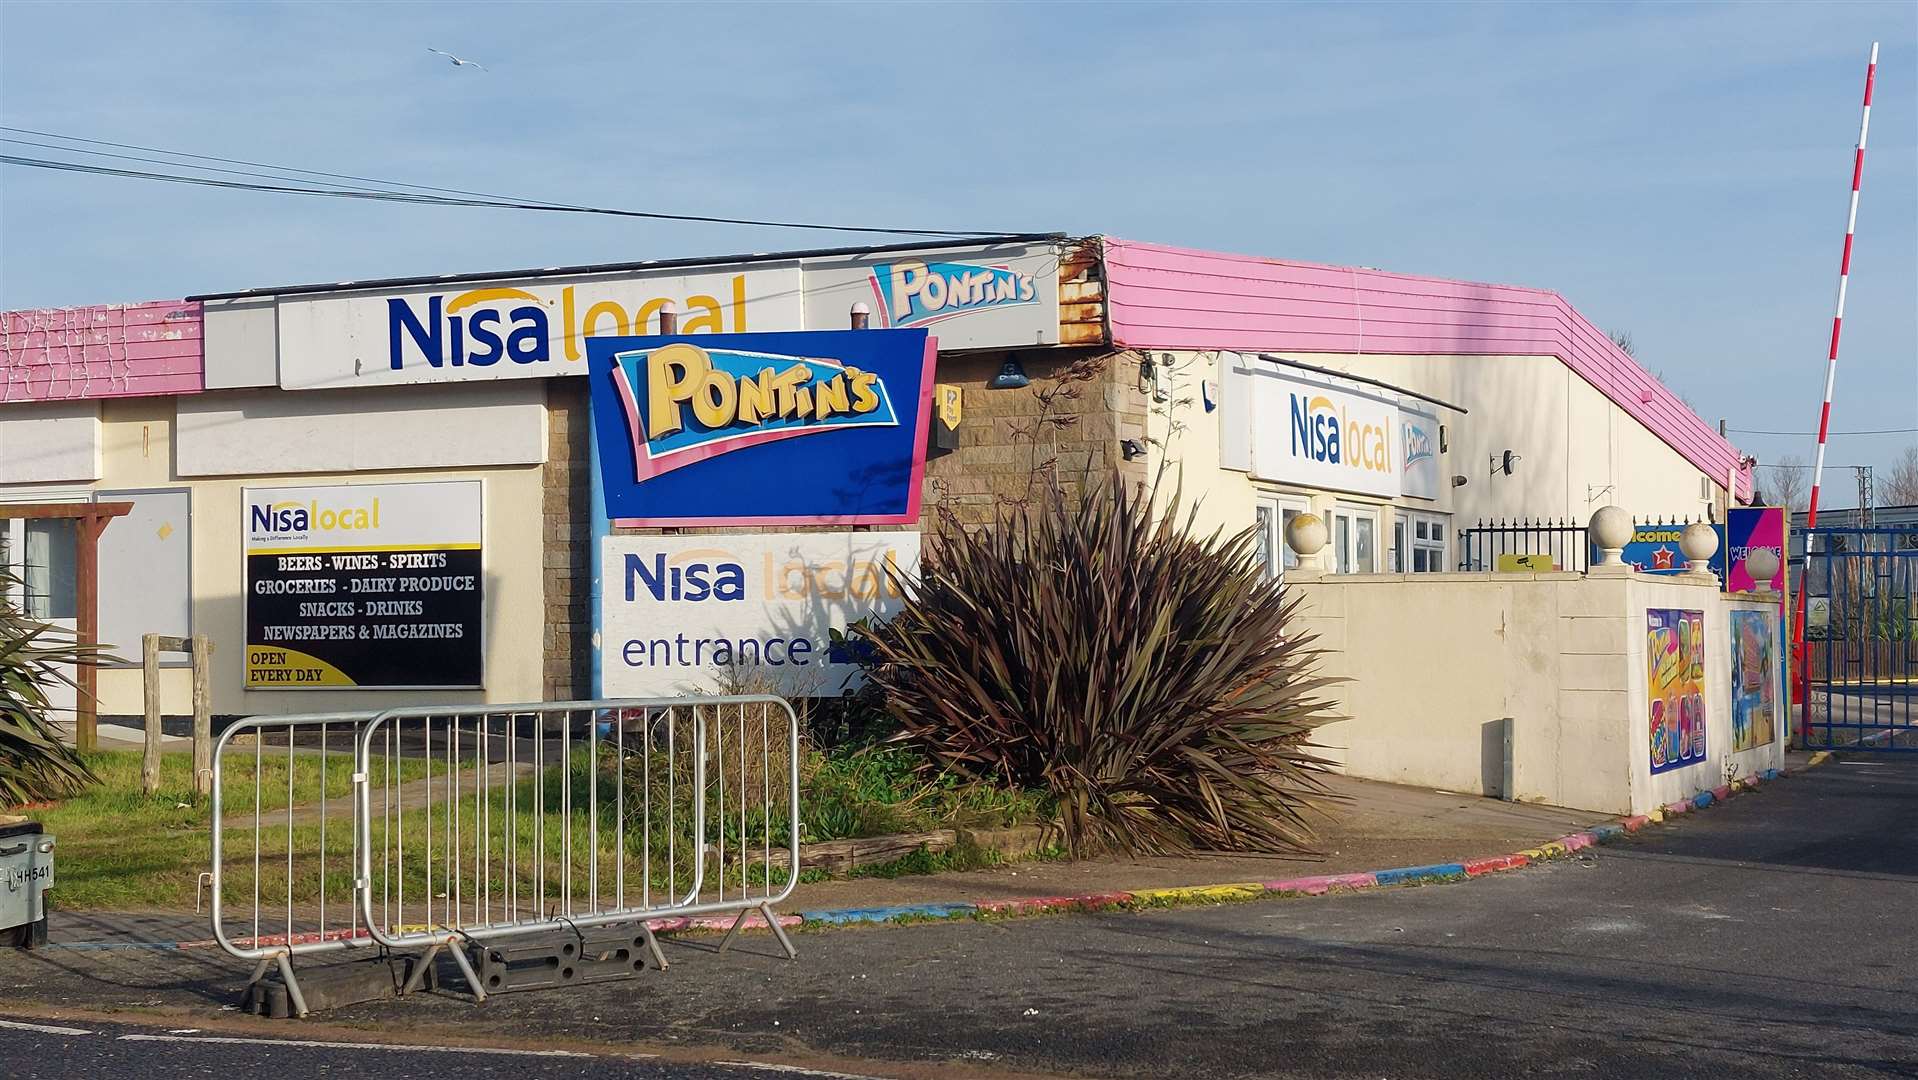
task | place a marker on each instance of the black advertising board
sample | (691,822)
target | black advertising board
(372,586)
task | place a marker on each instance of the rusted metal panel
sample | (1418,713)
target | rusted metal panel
(1082,295)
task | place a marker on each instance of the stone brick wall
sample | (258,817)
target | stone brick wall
(568,565)
(1002,444)
(1005,448)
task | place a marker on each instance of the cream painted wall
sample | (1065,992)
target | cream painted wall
(1434,663)
(1578,451)
(138,452)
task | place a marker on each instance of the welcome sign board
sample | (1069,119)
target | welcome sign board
(1319,434)
(363,585)
(763,429)
(690,614)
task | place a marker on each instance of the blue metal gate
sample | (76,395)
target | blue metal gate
(1861,639)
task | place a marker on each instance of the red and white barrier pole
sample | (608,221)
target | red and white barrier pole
(1831,376)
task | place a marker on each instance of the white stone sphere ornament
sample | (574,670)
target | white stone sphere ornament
(1699,542)
(1306,535)
(1610,530)
(1762,565)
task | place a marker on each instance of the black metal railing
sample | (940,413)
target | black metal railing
(1563,541)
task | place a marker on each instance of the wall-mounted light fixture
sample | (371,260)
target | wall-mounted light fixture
(1444,444)
(1459,481)
(1012,376)
(1131,448)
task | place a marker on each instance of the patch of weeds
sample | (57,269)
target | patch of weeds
(959,858)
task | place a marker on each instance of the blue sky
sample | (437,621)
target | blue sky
(1677,171)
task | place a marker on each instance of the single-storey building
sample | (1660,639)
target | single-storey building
(446,417)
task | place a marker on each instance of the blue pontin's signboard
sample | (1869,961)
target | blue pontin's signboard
(805,428)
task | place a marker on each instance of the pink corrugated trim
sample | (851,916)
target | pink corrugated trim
(1176,298)
(103,351)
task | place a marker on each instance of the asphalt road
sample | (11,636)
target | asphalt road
(1772,936)
(43,1050)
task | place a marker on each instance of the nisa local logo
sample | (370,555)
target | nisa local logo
(686,404)
(481,327)
(690,575)
(916,293)
(293,518)
(1323,433)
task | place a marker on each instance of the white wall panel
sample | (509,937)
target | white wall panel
(271,432)
(50,443)
(242,343)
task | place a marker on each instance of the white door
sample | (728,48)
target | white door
(41,556)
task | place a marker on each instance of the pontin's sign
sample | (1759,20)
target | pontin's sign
(823,427)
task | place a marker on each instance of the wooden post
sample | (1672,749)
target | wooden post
(86,573)
(89,520)
(150,683)
(202,715)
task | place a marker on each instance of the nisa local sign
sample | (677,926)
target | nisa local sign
(532,328)
(1319,435)
(286,518)
(684,612)
(481,327)
(820,427)
(917,293)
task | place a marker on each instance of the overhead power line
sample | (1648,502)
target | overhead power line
(297,186)
(1811,434)
(277,169)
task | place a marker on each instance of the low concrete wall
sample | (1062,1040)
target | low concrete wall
(1438,665)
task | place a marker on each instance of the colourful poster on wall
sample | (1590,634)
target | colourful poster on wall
(1675,685)
(1754,679)
(1749,528)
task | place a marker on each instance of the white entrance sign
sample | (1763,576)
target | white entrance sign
(527,329)
(1317,433)
(691,614)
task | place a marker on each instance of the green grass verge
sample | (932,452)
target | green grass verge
(121,849)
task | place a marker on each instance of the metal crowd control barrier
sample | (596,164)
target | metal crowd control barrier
(473,825)
(293,867)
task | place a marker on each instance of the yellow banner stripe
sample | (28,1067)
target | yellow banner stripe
(336,549)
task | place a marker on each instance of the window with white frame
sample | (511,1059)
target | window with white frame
(1274,513)
(1419,542)
(1354,546)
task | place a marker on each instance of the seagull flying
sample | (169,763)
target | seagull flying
(457,61)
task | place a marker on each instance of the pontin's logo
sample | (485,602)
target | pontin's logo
(916,293)
(1418,446)
(686,404)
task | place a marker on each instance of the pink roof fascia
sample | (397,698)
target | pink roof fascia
(1160,297)
(103,351)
